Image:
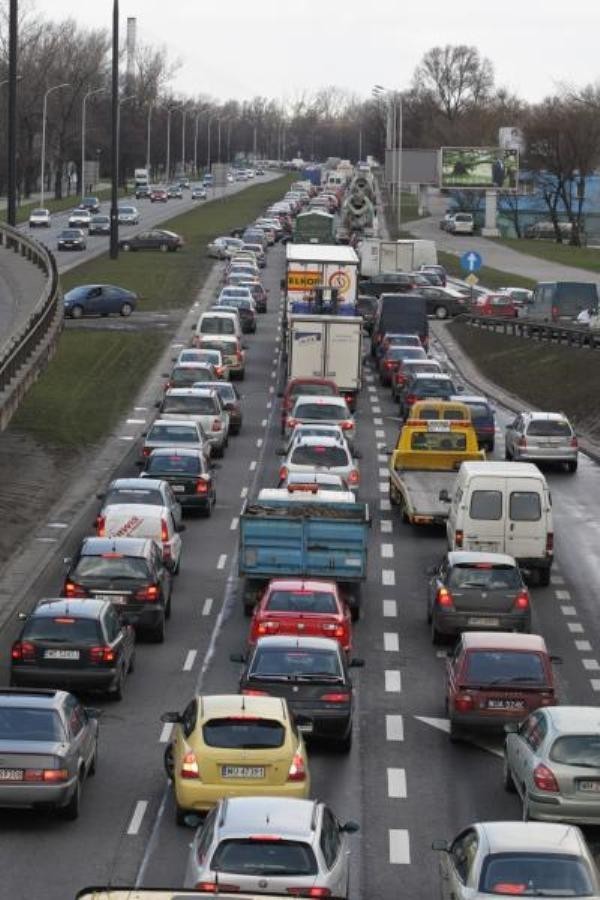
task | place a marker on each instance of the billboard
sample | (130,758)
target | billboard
(471,168)
(511,138)
(417,166)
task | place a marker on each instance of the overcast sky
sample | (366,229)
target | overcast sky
(274,48)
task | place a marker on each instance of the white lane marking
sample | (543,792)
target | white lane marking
(394,728)
(253,465)
(386,526)
(244,493)
(207,606)
(583,646)
(377,421)
(595,683)
(259,442)
(264,423)
(375,408)
(383,486)
(271,389)
(222,561)
(557,579)
(269,404)
(393,681)
(379,433)
(126,437)
(388,577)
(234,523)
(382,457)
(385,505)
(369,377)
(433,722)
(372,389)
(47,540)
(136,421)
(57,525)
(391,642)
(387,551)
(396,779)
(190,660)
(140,408)
(568,610)
(563,595)
(575,627)
(165,733)
(383,472)
(138,814)
(390,609)
(399,847)
(590,665)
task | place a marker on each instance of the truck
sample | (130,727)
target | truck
(400,314)
(327,347)
(314,227)
(303,535)
(378,256)
(312,174)
(424,464)
(141,177)
(325,266)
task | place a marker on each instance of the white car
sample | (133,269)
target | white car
(128,215)
(203,406)
(461,223)
(313,429)
(315,409)
(314,481)
(321,454)
(39,218)
(146,521)
(203,356)
(80,218)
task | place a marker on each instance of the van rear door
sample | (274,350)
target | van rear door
(525,520)
(484,516)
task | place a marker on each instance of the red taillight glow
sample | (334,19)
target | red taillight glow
(522,601)
(411,398)
(49,776)
(73,590)
(23,651)
(146,451)
(354,477)
(508,888)
(217,425)
(309,892)
(297,770)
(463,703)
(268,627)
(211,887)
(283,473)
(522,442)
(334,631)
(250,692)
(389,364)
(164,531)
(549,544)
(201,486)
(574,442)
(544,779)
(103,654)
(291,423)
(444,599)
(335,697)
(346,425)
(458,539)
(101,526)
(189,766)
(149,594)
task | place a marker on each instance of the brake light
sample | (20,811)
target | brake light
(164,531)
(283,473)
(51,776)
(506,887)
(211,887)
(297,769)
(150,593)
(458,539)
(389,364)
(522,442)
(444,598)
(103,654)
(73,590)
(146,451)
(189,766)
(463,703)
(348,398)
(354,477)
(310,892)
(544,778)
(217,425)
(574,442)
(547,700)
(335,697)
(268,627)
(554,313)
(201,486)
(346,425)
(101,526)
(522,601)
(292,422)
(23,651)
(549,544)
(250,692)
(219,370)
(335,631)
(410,399)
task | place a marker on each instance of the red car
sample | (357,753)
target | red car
(494,305)
(305,608)
(392,358)
(159,195)
(497,677)
(321,387)
(408,367)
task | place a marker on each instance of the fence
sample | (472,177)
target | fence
(572,335)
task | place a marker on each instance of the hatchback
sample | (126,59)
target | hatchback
(99,300)
(205,356)
(175,433)
(324,387)
(245,308)
(185,374)
(128,215)
(498,305)
(308,409)
(99,224)
(230,345)
(40,218)
(77,645)
(233,746)
(482,417)
(188,473)
(497,677)
(200,405)
(407,367)
(542,437)
(230,399)
(306,608)
(425,386)
(392,359)
(321,453)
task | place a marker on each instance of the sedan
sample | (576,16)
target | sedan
(199,192)
(159,195)
(99,300)
(99,224)
(152,492)
(392,359)
(305,608)
(188,474)
(128,215)
(230,400)
(498,305)
(470,591)
(92,204)
(80,218)
(173,433)
(524,859)
(40,218)
(174,191)
(552,760)
(49,747)
(223,247)
(408,367)
(158,239)
(244,306)
(71,239)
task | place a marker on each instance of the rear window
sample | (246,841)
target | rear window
(434,387)
(504,667)
(243,733)
(190,405)
(399,352)
(548,428)
(302,601)
(217,326)
(134,495)
(404,340)
(62,629)
(177,434)
(17,723)
(484,576)
(577,750)
(264,857)
(292,661)
(319,455)
(525,506)
(319,390)
(166,465)
(324,411)
(187,377)
(449,414)
(535,875)
(431,440)
(486,505)
(480,412)
(112,566)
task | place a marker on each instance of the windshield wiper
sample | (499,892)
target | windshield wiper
(316,676)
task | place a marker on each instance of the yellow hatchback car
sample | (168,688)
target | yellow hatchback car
(234,746)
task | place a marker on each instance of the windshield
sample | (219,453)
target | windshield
(134,495)
(302,601)
(62,629)
(175,434)
(18,723)
(504,667)
(111,565)
(323,411)
(243,733)
(535,875)
(161,464)
(434,387)
(217,325)
(294,662)
(577,750)
(480,412)
(548,428)
(264,857)
(186,377)
(439,442)
(485,576)
(198,356)
(319,455)
(189,405)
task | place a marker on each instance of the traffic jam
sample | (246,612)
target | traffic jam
(369,652)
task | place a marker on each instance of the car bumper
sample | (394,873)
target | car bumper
(143,616)
(19,795)
(542,454)
(557,809)
(82,680)
(193,501)
(449,623)
(320,724)
(202,797)
(490,720)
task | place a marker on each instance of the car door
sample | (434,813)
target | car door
(183,732)
(525,519)
(513,432)
(522,748)
(174,537)
(335,854)
(80,735)
(93,301)
(117,635)
(458,864)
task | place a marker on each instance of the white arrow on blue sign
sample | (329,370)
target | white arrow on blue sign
(470,261)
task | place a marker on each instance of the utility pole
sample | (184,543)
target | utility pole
(114,155)
(12,113)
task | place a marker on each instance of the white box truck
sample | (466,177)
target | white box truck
(327,347)
(313,266)
(377,256)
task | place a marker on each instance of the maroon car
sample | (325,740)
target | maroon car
(320,387)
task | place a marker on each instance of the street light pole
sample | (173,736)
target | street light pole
(170,109)
(219,140)
(208,140)
(148,126)
(83,112)
(184,111)
(114,154)
(56,87)
(12,113)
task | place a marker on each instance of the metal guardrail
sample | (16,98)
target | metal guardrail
(20,346)
(572,335)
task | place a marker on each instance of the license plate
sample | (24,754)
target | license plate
(506,704)
(589,786)
(243,771)
(61,654)
(438,425)
(11,774)
(178,488)
(112,598)
(306,728)
(483,621)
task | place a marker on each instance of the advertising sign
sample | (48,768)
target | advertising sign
(479,168)
(303,280)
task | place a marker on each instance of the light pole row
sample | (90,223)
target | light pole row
(394,140)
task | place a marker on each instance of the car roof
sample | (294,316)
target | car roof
(470,398)
(89,608)
(438,376)
(32,697)
(140,510)
(190,392)
(288,816)
(466,557)
(136,484)
(319,440)
(503,640)
(319,398)
(534,837)
(174,450)
(299,643)
(546,416)
(128,546)
(212,705)
(191,364)
(580,719)
(170,422)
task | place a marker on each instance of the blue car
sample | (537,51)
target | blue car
(483,418)
(99,300)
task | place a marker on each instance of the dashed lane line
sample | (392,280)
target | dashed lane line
(190,659)
(399,847)
(575,627)
(568,610)
(394,728)
(259,442)
(207,606)
(557,579)
(390,609)
(383,487)
(386,526)
(244,493)
(222,561)
(595,683)
(379,433)
(165,734)
(383,473)
(234,523)
(563,595)
(385,504)
(138,814)
(393,681)
(388,577)
(391,641)
(590,665)
(253,465)
(378,421)
(583,646)
(396,779)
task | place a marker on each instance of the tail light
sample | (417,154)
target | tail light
(410,399)
(309,892)
(268,627)
(164,531)
(522,442)
(522,601)
(389,364)
(349,398)
(189,766)
(443,598)
(486,429)
(547,699)
(201,486)
(297,770)
(49,776)
(74,590)
(291,423)
(146,451)
(148,594)
(102,654)
(217,425)
(101,526)
(219,371)
(251,692)
(335,697)
(458,539)
(283,473)
(346,425)
(23,651)
(549,544)
(354,477)
(574,442)
(463,703)
(212,887)
(544,779)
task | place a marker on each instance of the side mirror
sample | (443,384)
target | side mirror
(144,434)
(441,846)
(237,658)
(157,404)
(350,827)
(172,717)
(180,528)
(460,388)
(22,616)
(444,496)
(356,663)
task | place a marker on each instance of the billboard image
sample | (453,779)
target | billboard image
(479,168)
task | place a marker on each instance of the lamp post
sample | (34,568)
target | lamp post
(211,119)
(83,112)
(13,39)
(148,129)
(170,109)
(114,146)
(56,87)
(198,112)
(183,115)
(394,139)
(122,100)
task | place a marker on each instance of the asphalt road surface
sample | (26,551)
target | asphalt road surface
(403,781)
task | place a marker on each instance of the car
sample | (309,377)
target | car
(130,572)
(498,305)
(446,219)
(230,400)
(230,346)
(313,675)
(159,195)
(202,406)
(259,294)
(521,297)
(153,492)
(223,247)
(312,429)
(244,306)
(199,192)
(79,218)
(392,358)
(145,521)
(482,417)
(74,645)
(552,761)
(461,223)
(310,453)
(143,192)
(128,215)
(185,374)
(315,481)
(71,239)
(324,387)
(542,437)
(188,473)
(218,321)
(40,218)
(388,283)
(184,183)
(401,340)
(425,386)
(205,356)
(244,268)
(232,290)
(440,271)
(99,300)
(476,591)
(307,607)
(280,845)
(175,433)
(529,859)
(99,224)
(444,302)
(309,409)
(258,250)
(174,191)
(49,748)
(494,678)
(156,239)
(232,746)
(92,204)
(408,367)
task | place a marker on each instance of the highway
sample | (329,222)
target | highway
(403,781)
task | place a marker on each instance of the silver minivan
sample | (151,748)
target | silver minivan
(542,437)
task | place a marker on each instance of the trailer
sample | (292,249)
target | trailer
(378,256)
(326,266)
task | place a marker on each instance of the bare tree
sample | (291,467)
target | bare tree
(455,77)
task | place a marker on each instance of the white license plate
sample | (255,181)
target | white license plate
(438,425)
(506,704)
(590,787)
(178,488)
(483,621)
(243,771)
(11,774)
(61,654)
(112,598)
(306,728)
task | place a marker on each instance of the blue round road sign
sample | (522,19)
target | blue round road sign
(470,261)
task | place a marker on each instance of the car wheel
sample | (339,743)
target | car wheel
(441,312)
(507,453)
(71,810)
(507,779)
(455,733)
(248,608)
(158,632)
(126,247)
(76,312)
(163,248)
(572,466)
(126,309)
(168,761)
(207,511)
(345,745)
(180,816)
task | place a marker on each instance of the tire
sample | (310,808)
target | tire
(242,375)
(158,632)
(543,578)
(507,779)
(117,692)
(355,612)
(163,248)
(126,309)
(440,312)
(572,467)
(507,453)
(168,761)
(180,815)
(127,247)
(207,511)
(345,744)
(70,812)
(436,636)
(76,312)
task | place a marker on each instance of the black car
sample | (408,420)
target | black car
(230,399)
(366,307)
(444,303)
(129,572)
(76,645)
(313,676)
(90,203)
(157,239)
(71,239)
(99,300)
(99,224)
(189,474)
(482,417)
(423,386)
(388,283)
(143,191)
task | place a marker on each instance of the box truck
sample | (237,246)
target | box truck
(327,347)
(377,256)
(311,268)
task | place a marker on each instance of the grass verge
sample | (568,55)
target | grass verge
(587,258)
(56,206)
(547,376)
(488,277)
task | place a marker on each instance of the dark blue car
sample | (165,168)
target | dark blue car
(99,300)
(483,418)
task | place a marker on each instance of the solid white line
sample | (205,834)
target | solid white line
(595,683)
(563,595)
(222,561)
(390,609)
(190,660)
(244,493)
(269,404)
(136,421)
(259,442)
(568,610)
(142,408)
(379,433)
(383,472)
(138,814)
(386,526)
(385,504)
(253,465)
(383,486)
(399,847)
(394,728)
(207,606)
(264,423)
(583,646)
(391,642)
(126,437)
(393,681)
(591,665)
(165,733)
(396,779)
(234,523)
(388,577)
(387,551)
(377,421)
(575,627)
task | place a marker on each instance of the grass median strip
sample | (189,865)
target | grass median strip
(587,258)
(488,277)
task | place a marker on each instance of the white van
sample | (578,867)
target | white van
(503,507)
(218,323)
(141,520)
